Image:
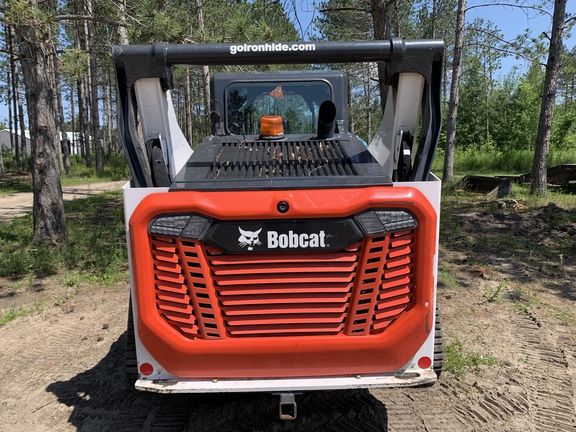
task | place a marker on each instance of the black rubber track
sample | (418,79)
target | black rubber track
(130,351)
(438,345)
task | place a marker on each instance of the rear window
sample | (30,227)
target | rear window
(297,102)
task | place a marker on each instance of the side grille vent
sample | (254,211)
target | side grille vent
(396,289)
(172,296)
(202,292)
(385,284)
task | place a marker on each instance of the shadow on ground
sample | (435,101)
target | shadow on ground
(102,399)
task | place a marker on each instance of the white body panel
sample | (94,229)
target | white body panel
(159,121)
(401,114)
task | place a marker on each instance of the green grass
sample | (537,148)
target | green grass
(493,163)
(13,313)
(459,361)
(493,294)
(566,316)
(96,249)
(115,168)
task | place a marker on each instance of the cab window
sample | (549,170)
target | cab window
(296,102)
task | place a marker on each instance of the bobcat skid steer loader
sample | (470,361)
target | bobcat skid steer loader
(283,253)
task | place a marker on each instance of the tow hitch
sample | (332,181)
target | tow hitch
(287,408)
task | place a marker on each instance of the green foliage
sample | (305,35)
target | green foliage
(20,12)
(159,20)
(564,128)
(74,62)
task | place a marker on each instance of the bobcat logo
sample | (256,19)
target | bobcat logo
(249,238)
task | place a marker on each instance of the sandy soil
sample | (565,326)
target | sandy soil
(506,294)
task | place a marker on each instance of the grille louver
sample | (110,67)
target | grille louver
(285,295)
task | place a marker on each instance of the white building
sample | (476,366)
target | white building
(74,140)
(6,142)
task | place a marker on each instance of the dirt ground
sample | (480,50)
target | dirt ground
(19,204)
(507,299)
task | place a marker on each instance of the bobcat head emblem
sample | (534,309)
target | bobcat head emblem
(249,238)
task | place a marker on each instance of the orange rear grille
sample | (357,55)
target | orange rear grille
(208,294)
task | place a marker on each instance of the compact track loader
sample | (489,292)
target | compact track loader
(283,253)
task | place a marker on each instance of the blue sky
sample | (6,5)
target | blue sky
(511,21)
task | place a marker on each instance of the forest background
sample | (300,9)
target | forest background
(58,76)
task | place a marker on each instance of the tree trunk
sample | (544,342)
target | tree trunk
(48,207)
(539,180)
(81,128)
(2,172)
(381,18)
(83,104)
(74,149)
(7,70)
(13,142)
(23,147)
(53,68)
(9,99)
(61,120)
(188,108)
(121,29)
(94,109)
(205,74)
(83,121)
(433,23)
(16,147)
(108,113)
(448,171)
(368,88)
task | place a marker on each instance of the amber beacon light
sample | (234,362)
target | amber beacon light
(271,126)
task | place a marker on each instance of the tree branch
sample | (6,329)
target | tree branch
(498,38)
(343,9)
(503,50)
(504,41)
(511,5)
(89,18)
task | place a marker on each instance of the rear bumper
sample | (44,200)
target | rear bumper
(286,384)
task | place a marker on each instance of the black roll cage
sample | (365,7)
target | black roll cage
(133,62)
